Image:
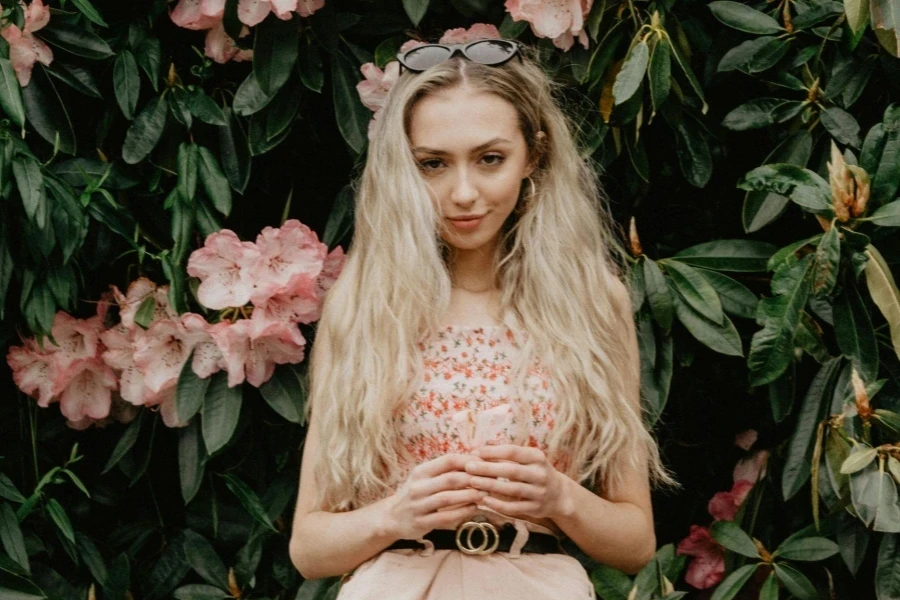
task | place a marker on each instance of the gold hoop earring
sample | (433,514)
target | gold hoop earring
(533,188)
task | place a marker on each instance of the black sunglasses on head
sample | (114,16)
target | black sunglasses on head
(485,52)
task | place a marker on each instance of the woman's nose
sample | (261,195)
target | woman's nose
(464,190)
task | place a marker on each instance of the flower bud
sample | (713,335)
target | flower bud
(636,249)
(841,182)
(861,193)
(863,409)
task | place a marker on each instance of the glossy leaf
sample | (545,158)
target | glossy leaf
(859,459)
(126,442)
(11,537)
(76,40)
(191,459)
(736,299)
(841,125)
(795,582)
(145,131)
(204,560)
(854,332)
(658,294)
(249,500)
(285,393)
(730,535)
(769,590)
(807,549)
(827,261)
(660,73)
(59,516)
(884,292)
(127,83)
(215,183)
(235,152)
(728,255)
(887,572)
(274,53)
(46,111)
(188,159)
(352,116)
(415,9)
(732,584)
(886,178)
(221,409)
(632,72)
(189,392)
(720,337)
(694,156)
(10,95)
(743,18)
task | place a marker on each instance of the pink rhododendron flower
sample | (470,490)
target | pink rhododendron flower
(161,351)
(708,565)
(119,355)
(75,339)
(24,48)
(753,468)
(198,14)
(138,291)
(33,371)
(725,505)
(285,252)
(478,31)
(208,359)
(254,12)
(296,303)
(89,384)
(252,348)
(560,20)
(223,267)
(373,90)
(221,48)
(746,439)
(331,270)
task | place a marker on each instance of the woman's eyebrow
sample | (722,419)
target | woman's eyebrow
(479,148)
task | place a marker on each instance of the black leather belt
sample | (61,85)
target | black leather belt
(480,537)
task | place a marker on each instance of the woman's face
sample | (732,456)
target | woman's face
(472,155)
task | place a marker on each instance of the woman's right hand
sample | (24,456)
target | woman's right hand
(435,495)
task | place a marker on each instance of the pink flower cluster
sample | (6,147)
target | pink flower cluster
(24,48)
(707,568)
(208,15)
(560,20)
(373,90)
(89,367)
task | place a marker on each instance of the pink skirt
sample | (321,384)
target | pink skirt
(452,575)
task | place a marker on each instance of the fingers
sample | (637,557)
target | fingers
(524,473)
(443,464)
(453,480)
(451,498)
(513,489)
(449,519)
(522,507)
(520,454)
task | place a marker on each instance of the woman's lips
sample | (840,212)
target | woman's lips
(467,224)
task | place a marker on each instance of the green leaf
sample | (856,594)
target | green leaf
(629,77)
(340,219)
(310,67)
(660,73)
(769,590)
(234,152)
(859,459)
(285,393)
(729,588)
(127,83)
(772,348)
(695,290)
(189,392)
(126,442)
(728,255)
(30,182)
(800,449)
(9,490)
(205,108)
(887,571)
(854,332)
(149,57)
(720,337)
(781,394)
(730,535)
(11,537)
(841,125)
(853,541)
(204,560)
(825,270)
(188,157)
(735,297)
(741,55)
(743,18)
(92,558)
(199,591)
(91,13)
(249,500)
(46,111)
(75,40)
(10,94)
(145,131)
(886,178)
(325,588)
(610,583)
(887,216)
(795,582)
(884,293)
(250,97)
(857,12)
(807,549)
(221,409)
(685,67)
(215,183)
(658,294)
(59,516)
(274,53)
(169,568)
(191,460)
(837,449)
(145,312)
(415,10)
(694,156)
(352,116)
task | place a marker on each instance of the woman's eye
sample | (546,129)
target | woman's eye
(492,159)
(430,165)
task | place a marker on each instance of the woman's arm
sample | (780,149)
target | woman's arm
(615,529)
(436,495)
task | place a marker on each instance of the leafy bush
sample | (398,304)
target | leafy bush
(133,133)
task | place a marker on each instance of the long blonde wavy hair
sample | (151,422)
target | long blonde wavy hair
(555,267)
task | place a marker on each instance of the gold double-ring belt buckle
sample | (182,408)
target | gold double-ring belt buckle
(490,537)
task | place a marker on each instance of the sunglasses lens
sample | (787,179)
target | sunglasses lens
(424,57)
(490,52)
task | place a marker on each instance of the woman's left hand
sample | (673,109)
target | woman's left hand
(524,477)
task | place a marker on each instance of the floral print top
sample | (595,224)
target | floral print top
(464,398)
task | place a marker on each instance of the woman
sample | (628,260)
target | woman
(477,357)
